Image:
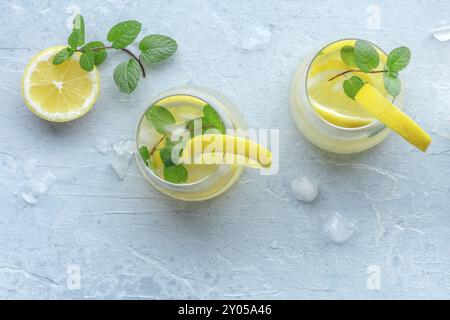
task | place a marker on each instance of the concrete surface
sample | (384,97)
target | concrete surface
(95,236)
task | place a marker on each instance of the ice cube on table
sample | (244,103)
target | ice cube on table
(102,145)
(441,33)
(29,167)
(338,228)
(304,189)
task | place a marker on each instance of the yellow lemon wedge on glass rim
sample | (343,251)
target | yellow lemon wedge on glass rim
(225,149)
(59,93)
(382,109)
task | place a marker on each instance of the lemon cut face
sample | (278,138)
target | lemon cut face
(59,93)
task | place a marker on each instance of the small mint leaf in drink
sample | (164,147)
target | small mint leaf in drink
(127,75)
(398,59)
(156,48)
(160,117)
(124,33)
(352,86)
(78,23)
(98,48)
(74,38)
(348,55)
(366,56)
(175,174)
(392,84)
(87,60)
(145,155)
(63,55)
(212,120)
(166,155)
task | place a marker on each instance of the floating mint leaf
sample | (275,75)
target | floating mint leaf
(127,75)
(211,119)
(175,174)
(352,86)
(62,56)
(348,55)
(124,33)
(166,155)
(398,59)
(98,50)
(156,47)
(74,38)
(145,155)
(87,60)
(366,56)
(392,84)
(78,23)
(160,117)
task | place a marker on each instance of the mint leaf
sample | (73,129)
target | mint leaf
(145,155)
(348,55)
(392,84)
(211,119)
(166,155)
(74,38)
(352,86)
(156,47)
(366,56)
(127,75)
(175,174)
(398,59)
(98,50)
(78,23)
(62,56)
(87,60)
(160,117)
(124,33)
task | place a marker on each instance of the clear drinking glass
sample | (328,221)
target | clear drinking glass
(214,182)
(323,133)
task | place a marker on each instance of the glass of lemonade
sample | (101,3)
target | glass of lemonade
(186,104)
(322,111)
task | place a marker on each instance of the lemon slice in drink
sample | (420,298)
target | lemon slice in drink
(377,104)
(58,93)
(340,119)
(226,149)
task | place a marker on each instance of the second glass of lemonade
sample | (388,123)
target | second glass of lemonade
(322,111)
(184,105)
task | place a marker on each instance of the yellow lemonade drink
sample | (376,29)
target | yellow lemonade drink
(322,110)
(173,117)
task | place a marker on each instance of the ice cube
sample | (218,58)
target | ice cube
(29,197)
(304,189)
(441,33)
(338,228)
(42,184)
(255,38)
(124,148)
(29,168)
(102,145)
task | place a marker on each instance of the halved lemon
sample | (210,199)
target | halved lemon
(59,93)
(382,109)
(227,149)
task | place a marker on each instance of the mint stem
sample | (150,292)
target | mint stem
(354,70)
(124,50)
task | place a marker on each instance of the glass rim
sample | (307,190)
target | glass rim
(371,125)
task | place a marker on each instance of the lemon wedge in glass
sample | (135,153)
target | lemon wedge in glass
(59,93)
(376,104)
(225,149)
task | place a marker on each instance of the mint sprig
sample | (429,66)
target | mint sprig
(153,48)
(163,120)
(364,56)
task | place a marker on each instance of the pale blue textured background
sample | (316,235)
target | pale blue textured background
(256,241)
